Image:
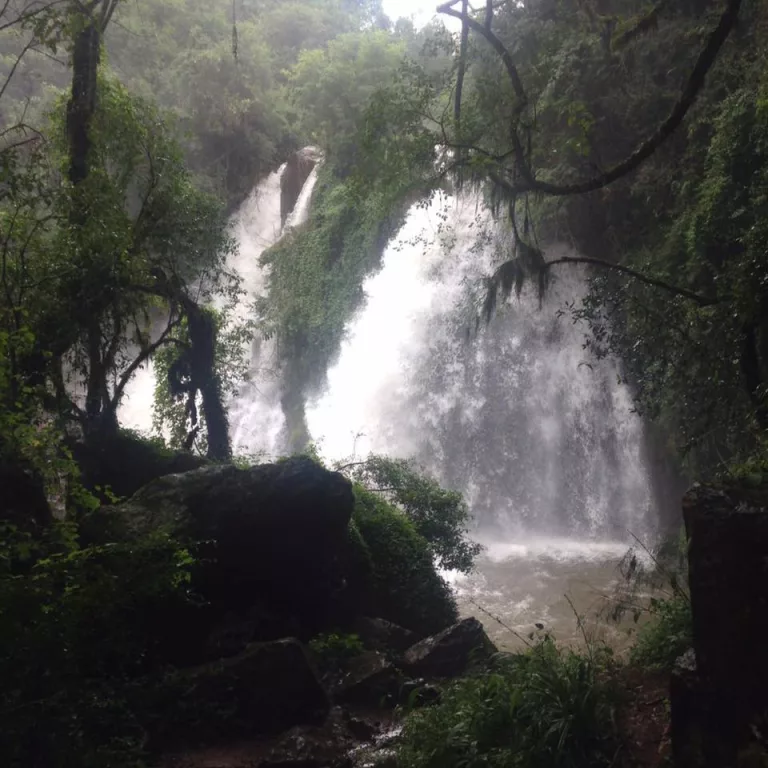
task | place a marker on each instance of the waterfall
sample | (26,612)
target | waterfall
(541,439)
(255,414)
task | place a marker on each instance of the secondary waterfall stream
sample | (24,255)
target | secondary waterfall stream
(541,439)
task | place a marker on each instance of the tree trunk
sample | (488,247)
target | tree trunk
(82,101)
(80,111)
(202,337)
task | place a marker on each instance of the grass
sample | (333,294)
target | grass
(546,708)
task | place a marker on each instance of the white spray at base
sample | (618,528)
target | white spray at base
(541,439)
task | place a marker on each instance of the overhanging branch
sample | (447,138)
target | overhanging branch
(695,82)
(702,301)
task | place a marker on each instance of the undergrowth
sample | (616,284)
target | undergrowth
(546,708)
(655,589)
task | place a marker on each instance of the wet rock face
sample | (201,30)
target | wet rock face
(382,635)
(372,681)
(718,689)
(297,170)
(451,652)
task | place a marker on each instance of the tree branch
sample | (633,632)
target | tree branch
(142,357)
(702,301)
(695,82)
(15,66)
(462,65)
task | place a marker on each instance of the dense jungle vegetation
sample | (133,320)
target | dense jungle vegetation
(634,133)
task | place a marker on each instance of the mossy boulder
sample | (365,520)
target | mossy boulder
(272,543)
(121,464)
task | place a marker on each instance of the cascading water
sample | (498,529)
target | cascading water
(255,414)
(541,440)
(255,417)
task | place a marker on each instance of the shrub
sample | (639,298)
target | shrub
(667,635)
(440,516)
(662,574)
(547,708)
(405,587)
(334,650)
(75,629)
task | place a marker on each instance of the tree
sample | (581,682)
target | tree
(331,87)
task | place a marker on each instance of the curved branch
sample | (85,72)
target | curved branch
(141,358)
(695,82)
(702,301)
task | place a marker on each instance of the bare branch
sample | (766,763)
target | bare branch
(25,17)
(702,301)
(15,66)
(142,357)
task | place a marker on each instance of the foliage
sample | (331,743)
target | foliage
(334,649)
(316,275)
(177,413)
(655,588)
(406,589)
(332,86)
(440,516)
(547,708)
(75,627)
(667,635)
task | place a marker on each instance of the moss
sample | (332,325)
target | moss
(405,586)
(116,467)
(315,281)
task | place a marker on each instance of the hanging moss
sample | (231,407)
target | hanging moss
(316,280)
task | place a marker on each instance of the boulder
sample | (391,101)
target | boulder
(273,536)
(371,681)
(125,462)
(23,502)
(451,652)
(325,746)
(419,693)
(382,635)
(268,688)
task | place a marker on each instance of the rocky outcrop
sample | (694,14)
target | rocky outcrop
(268,688)
(124,463)
(382,635)
(297,170)
(22,498)
(718,689)
(371,681)
(271,543)
(451,652)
